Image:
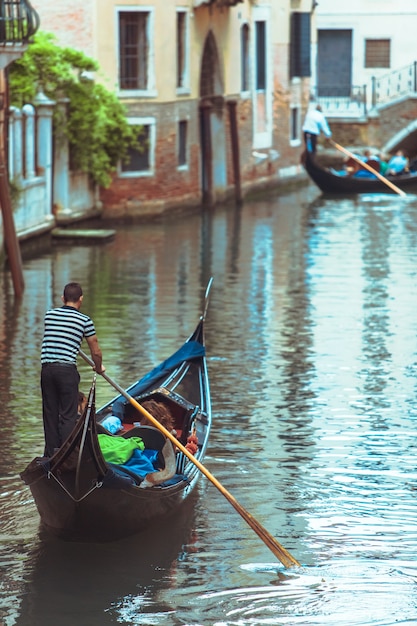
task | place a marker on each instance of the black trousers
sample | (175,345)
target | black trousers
(59,385)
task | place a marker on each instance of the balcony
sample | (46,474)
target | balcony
(347,101)
(18,22)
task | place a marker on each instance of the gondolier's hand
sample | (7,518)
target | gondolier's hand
(99,371)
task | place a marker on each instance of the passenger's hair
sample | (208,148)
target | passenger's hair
(159,411)
(82,401)
(72,292)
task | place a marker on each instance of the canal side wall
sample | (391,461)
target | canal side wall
(44,191)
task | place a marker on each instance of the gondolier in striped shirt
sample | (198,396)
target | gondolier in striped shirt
(65,328)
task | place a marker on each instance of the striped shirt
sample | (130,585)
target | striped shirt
(65,328)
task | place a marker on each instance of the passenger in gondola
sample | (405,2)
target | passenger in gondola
(351,165)
(412,166)
(159,411)
(373,161)
(82,402)
(384,164)
(398,164)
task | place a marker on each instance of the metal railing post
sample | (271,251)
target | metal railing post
(373,91)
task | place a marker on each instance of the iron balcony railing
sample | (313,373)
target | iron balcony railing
(18,21)
(341,100)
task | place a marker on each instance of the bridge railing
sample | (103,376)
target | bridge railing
(393,85)
(355,101)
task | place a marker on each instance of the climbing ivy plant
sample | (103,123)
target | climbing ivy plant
(96,126)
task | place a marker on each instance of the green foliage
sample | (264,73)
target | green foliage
(96,126)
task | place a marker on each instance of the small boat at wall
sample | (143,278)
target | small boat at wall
(334,182)
(83,496)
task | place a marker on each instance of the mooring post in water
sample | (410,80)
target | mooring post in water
(207,153)
(10,237)
(14,37)
(234,136)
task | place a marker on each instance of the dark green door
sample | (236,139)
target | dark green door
(334,63)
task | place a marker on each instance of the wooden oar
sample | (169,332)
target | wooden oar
(279,551)
(368,167)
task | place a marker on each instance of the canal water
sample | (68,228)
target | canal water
(311,338)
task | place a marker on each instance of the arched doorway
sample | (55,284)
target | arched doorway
(212,126)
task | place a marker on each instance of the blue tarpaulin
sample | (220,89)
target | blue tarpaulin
(188,351)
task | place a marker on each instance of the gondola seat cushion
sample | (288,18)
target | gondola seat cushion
(151,436)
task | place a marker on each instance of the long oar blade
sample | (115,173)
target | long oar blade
(279,551)
(368,167)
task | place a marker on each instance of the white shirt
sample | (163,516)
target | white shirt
(316,122)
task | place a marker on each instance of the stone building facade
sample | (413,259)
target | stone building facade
(218,88)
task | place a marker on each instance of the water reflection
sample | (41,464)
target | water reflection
(104,580)
(311,334)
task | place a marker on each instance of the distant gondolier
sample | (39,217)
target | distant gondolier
(64,329)
(314,123)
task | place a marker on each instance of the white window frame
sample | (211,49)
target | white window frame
(143,121)
(185,88)
(150,91)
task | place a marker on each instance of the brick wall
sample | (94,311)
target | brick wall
(379,128)
(72,22)
(169,185)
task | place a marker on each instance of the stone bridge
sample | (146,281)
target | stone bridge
(387,127)
(382,114)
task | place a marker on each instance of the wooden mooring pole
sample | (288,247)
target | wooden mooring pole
(10,238)
(234,136)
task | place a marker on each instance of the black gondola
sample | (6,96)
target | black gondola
(332,182)
(81,497)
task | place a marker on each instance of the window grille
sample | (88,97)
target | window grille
(133,49)
(378,53)
(244,33)
(181,47)
(139,160)
(182,143)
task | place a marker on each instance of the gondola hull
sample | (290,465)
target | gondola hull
(332,182)
(106,514)
(81,497)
